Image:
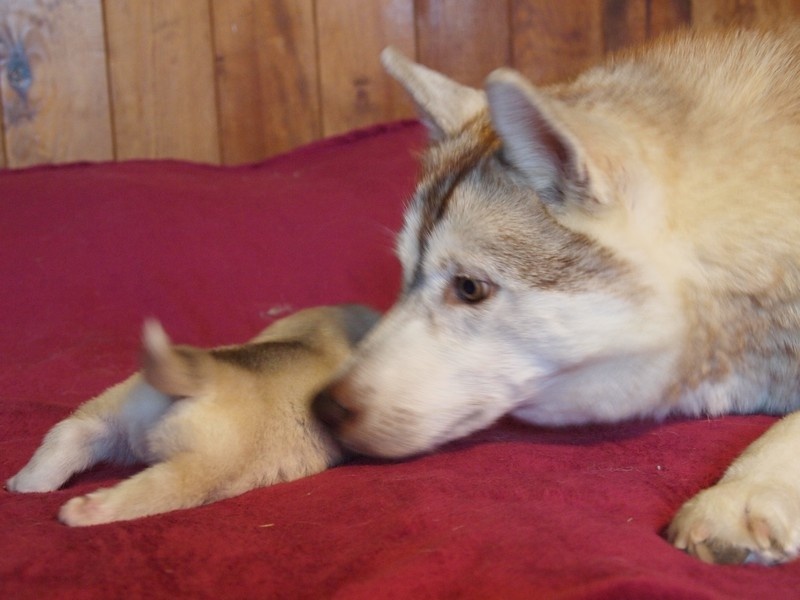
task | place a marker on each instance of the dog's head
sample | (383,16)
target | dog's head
(528,281)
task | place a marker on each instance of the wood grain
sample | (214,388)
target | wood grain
(162,79)
(351,34)
(746,13)
(556,40)
(666,15)
(266,76)
(236,81)
(624,24)
(54,86)
(466,39)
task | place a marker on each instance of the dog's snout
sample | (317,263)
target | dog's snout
(330,410)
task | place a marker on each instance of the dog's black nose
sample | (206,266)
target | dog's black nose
(330,411)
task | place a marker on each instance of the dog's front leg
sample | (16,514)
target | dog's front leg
(184,481)
(753,513)
(76,443)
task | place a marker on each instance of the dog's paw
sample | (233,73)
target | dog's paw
(91,509)
(30,480)
(740,521)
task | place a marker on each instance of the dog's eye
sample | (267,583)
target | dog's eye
(472,291)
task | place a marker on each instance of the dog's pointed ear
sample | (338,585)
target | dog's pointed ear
(540,139)
(444,106)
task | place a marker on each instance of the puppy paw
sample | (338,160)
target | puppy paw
(91,509)
(32,480)
(739,521)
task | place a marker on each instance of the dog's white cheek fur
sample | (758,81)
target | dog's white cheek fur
(611,357)
(433,371)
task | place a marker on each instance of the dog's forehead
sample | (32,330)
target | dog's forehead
(444,166)
(470,205)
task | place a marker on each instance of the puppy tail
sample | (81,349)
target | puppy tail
(178,371)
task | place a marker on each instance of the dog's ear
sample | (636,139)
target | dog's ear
(544,140)
(444,106)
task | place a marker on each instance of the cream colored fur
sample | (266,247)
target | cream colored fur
(623,245)
(212,424)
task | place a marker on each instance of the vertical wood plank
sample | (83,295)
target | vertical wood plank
(556,40)
(747,13)
(715,13)
(624,23)
(354,88)
(466,39)
(665,15)
(54,86)
(266,76)
(162,79)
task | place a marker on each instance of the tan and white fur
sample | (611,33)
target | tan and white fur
(212,424)
(620,246)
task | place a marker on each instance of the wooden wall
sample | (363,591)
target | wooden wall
(232,81)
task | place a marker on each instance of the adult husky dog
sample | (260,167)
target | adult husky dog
(624,245)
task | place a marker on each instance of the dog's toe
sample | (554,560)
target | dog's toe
(738,522)
(26,482)
(86,510)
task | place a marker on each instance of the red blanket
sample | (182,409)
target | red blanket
(88,251)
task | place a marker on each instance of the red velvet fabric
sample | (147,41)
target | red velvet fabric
(88,251)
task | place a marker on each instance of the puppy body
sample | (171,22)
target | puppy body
(623,245)
(213,424)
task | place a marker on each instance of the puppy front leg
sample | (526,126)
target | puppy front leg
(185,481)
(75,444)
(753,513)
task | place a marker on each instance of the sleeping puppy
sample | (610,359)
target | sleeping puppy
(212,424)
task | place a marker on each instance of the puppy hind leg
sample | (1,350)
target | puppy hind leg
(87,437)
(184,481)
(72,446)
